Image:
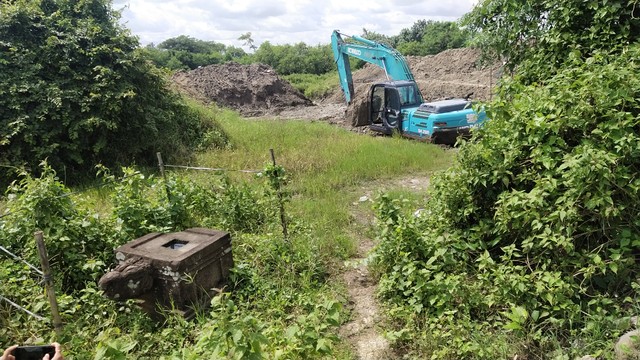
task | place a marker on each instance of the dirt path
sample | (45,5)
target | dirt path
(363,332)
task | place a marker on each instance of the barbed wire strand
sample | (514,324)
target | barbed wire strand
(21,308)
(17,258)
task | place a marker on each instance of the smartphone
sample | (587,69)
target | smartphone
(33,352)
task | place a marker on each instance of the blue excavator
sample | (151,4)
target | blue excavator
(396,105)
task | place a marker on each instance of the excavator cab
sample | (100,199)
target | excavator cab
(387,102)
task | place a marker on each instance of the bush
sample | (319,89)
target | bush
(533,233)
(314,87)
(77,91)
(75,237)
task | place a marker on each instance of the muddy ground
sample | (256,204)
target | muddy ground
(257,91)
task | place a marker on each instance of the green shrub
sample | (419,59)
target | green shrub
(76,90)
(313,86)
(533,233)
(75,237)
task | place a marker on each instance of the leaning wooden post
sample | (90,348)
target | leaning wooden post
(48,282)
(164,175)
(283,218)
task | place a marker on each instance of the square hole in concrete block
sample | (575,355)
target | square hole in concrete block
(175,244)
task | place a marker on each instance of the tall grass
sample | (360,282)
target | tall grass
(314,86)
(329,167)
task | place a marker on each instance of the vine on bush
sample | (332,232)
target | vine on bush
(534,231)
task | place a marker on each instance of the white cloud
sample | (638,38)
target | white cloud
(280,22)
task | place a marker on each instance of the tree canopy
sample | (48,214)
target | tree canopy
(431,37)
(185,52)
(539,36)
(76,91)
(296,59)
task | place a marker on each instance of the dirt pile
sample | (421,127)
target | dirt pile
(253,90)
(454,73)
(257,91)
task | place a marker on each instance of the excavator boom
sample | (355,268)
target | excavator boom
(396,104)
(391,61)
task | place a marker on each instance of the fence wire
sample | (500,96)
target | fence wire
(17,258)
(33,268)
(2,298)
(210,169)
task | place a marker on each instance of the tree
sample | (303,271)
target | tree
(185,52)
(248,41)
(296,59)
(431,37)
(414,33)
(76,89)
(540,36)
(232,53)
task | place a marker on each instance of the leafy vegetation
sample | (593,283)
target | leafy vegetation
(296,59)
(431,37)
(539,37)
(314,86)
(527,245)
(76,91)
(184,52)
(282,301)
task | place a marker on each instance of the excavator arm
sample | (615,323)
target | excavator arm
(392,62)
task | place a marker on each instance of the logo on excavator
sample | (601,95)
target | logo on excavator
(354,51)
(472,118)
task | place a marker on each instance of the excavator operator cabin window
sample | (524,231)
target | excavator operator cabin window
(392,102)
(408,95)
(377,104)
(378,98)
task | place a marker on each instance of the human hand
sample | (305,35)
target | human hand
(7,353)
(56,356)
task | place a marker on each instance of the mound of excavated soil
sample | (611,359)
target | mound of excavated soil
(454,73)
(254,89)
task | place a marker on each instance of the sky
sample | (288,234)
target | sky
(279,22)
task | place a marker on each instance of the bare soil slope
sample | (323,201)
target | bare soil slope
(253,90)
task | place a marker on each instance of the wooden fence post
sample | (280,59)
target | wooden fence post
(164,175)
(283,218)
(48,282)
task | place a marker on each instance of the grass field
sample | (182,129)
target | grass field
(328,166)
